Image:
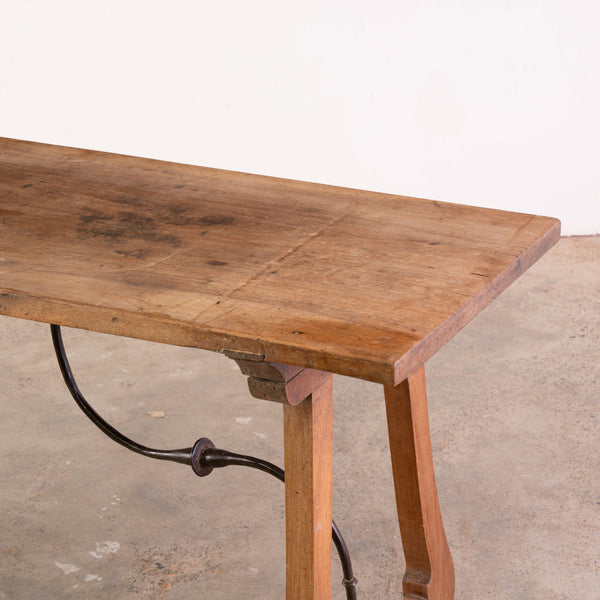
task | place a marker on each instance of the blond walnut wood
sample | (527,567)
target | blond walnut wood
(308,448)
(364,284)
(429,570)
(274,273)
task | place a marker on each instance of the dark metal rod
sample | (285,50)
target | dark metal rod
(183,455)
(203,457)
(216,458)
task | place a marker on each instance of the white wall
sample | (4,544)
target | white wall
(490,102)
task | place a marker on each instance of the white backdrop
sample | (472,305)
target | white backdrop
(488,102)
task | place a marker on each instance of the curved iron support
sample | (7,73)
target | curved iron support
(216,458)
(183,455)
(203,457)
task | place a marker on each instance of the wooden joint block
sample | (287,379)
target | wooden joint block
(269,371)
(293,391)
(277,382)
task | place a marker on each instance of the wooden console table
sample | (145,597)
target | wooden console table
(293,280)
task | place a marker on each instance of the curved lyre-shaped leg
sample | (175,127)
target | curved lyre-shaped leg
(429,570)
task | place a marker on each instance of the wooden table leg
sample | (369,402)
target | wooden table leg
(306,396)
(308,513)
(429,570)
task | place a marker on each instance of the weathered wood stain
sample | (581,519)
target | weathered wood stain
(374,283)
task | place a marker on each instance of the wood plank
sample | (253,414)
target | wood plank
(429,570)
(308,448)
(220,260)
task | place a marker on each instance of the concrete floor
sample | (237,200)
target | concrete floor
(515,428)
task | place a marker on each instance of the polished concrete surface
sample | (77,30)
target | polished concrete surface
(514,402)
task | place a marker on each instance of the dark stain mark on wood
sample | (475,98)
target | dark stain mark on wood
(217,220)
(217,263)
(180,216)
(27,185)
(183,214)
(434,243)
(125,226)
(480,274)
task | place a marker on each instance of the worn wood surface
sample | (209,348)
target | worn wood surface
(308,447)
(365,284)
(429,570)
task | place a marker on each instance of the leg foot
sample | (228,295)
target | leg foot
(429,569)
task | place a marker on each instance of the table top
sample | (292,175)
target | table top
(365,284)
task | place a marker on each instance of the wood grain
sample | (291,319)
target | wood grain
(429,570)
(364,284)
(308,447)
